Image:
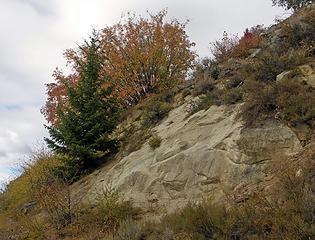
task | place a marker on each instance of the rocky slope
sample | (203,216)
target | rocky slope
(206,155)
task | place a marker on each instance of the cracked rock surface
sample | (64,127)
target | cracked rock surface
(203,156)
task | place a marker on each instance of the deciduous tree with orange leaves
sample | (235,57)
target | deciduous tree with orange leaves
(141,56)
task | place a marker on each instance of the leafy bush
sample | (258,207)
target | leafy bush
(296,103)
(213,69)
(270,64)
(268,67)
(203,86)
(155,141)
(216,97)
(111,211)
(133,139)
(222,48)
(235,81)
(290,101)
(128,230)
(57,201)
(251,39)
(260,101)
(235,47)
(31,228)
(202,221)
(230,96)
(37,171)
(155,112)
(203,103)
(301,31)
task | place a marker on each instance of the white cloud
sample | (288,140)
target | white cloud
(34,34)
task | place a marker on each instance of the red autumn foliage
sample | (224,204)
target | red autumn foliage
(141,56)
(235,47)
(250,40)
(56,95)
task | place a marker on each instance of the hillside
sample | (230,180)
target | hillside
(205,155)
(228,154)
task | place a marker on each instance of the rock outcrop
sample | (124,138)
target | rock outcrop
(303,74)
(203,156)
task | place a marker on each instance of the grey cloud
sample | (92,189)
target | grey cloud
(3,154)
(40,6)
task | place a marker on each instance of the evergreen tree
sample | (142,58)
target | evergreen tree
(90,115)
(292,4)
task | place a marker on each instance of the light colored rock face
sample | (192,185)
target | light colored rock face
(306,75)
(203,156)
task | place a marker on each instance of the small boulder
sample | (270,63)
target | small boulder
(254,52)
(308,72)
(305,73)
(284,76)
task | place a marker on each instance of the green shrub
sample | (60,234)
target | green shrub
(155,141)
(296,103)
(133,139)
(155,112)
(39,170)
(203,86)
(203,103)
(268,67)
(235,81)
(260,102)
(230,96)
(167,96)
(217,97)
(33,228)
(270,64)
(206,68)
(301,31)
(202,221)
(289,101)
(111,211)
(213,70)
(128,230)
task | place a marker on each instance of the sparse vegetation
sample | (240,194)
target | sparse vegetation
(270,64)
(111,211)
(288,214)
(155,112)
(260,102)
(300,33)
(222,48)
(296,103)
(292,4)
(235,47)
(48,209)
(203,86)
(83,108)
(155,141)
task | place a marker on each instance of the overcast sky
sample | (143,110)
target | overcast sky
(34,34)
